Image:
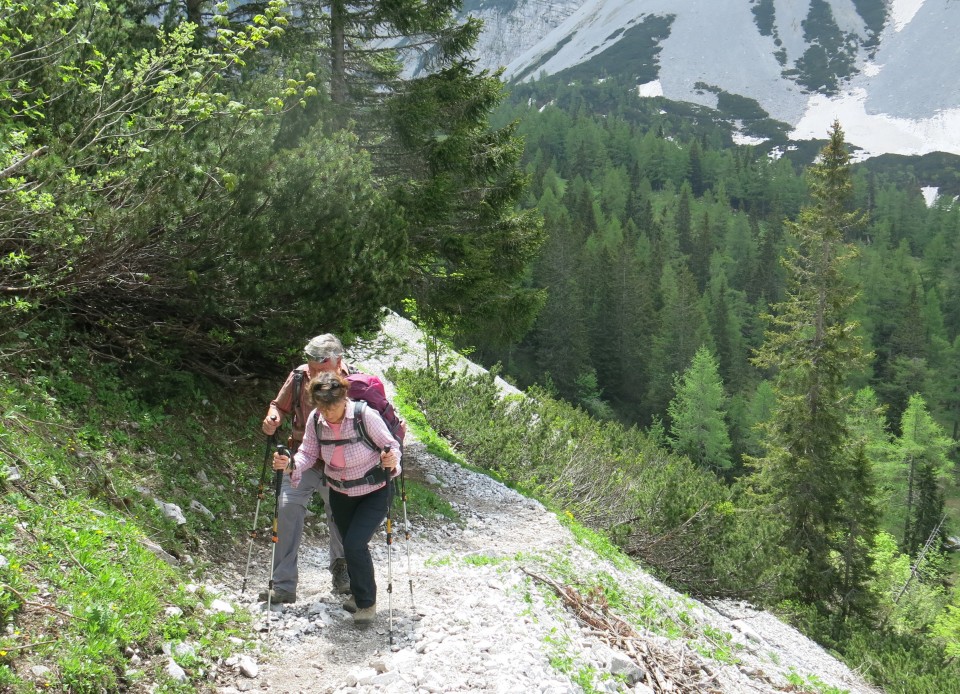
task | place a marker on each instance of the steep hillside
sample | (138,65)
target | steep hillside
(511,598)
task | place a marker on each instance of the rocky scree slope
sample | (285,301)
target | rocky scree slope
(485,604)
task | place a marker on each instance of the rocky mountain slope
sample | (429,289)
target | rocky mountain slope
(485,604)
(885,68)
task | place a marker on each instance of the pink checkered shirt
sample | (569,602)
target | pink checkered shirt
(359,457)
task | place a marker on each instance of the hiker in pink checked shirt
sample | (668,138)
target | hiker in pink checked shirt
(359,478)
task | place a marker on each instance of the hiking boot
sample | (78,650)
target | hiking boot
(350,604)
(365,615)
(277,596)
(341,577)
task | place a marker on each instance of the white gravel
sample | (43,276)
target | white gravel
(466,617)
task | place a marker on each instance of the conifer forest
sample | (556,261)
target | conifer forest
(189,188)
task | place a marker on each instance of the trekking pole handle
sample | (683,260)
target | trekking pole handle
(278,480)
(386,449)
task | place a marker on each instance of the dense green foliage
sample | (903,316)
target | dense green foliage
(660,508)
(81,591)
(688,526)
(200,190)
(662,237)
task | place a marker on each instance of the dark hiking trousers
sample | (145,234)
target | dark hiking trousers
(358,518)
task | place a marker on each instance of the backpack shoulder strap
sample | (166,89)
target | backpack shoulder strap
(297,390)
(359,407)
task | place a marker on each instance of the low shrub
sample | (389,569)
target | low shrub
(680,520)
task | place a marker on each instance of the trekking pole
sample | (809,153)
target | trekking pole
(406,536)
(277,482)
(256,513)
(389,552)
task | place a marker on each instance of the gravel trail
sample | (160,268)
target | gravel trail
(480,619)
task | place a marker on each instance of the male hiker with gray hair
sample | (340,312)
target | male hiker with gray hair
(322,353)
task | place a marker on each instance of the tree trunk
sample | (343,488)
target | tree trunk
(338,63)
(907,529)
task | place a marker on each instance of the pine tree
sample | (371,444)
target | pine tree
(454,181)
(620,319)
(949,387)
(810,476)
(696,169)
(860,517)
(867,424)
(924,467)
(724,309)
(697,414)
(703,249)
(682,329)
(683,221)
(560,332)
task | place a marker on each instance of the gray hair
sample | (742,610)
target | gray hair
(323,347)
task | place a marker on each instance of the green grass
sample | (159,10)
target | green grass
(425,502)
(812,683)
(80,594)
(418,425)
(483,560)
(437,561)
(599,543)
(559,652)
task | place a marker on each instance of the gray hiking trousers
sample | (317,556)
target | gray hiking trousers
(293,510)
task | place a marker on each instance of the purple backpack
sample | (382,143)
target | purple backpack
(367,390)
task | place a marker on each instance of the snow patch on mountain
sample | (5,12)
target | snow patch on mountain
(902,11)
(877,133)
(654,88)
(904,98)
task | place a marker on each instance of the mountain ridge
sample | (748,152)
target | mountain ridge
(883,69)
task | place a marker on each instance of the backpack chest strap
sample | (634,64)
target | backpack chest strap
(338,442)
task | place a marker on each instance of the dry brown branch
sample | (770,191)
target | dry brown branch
(27,603)
(28,646)
(663,670)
